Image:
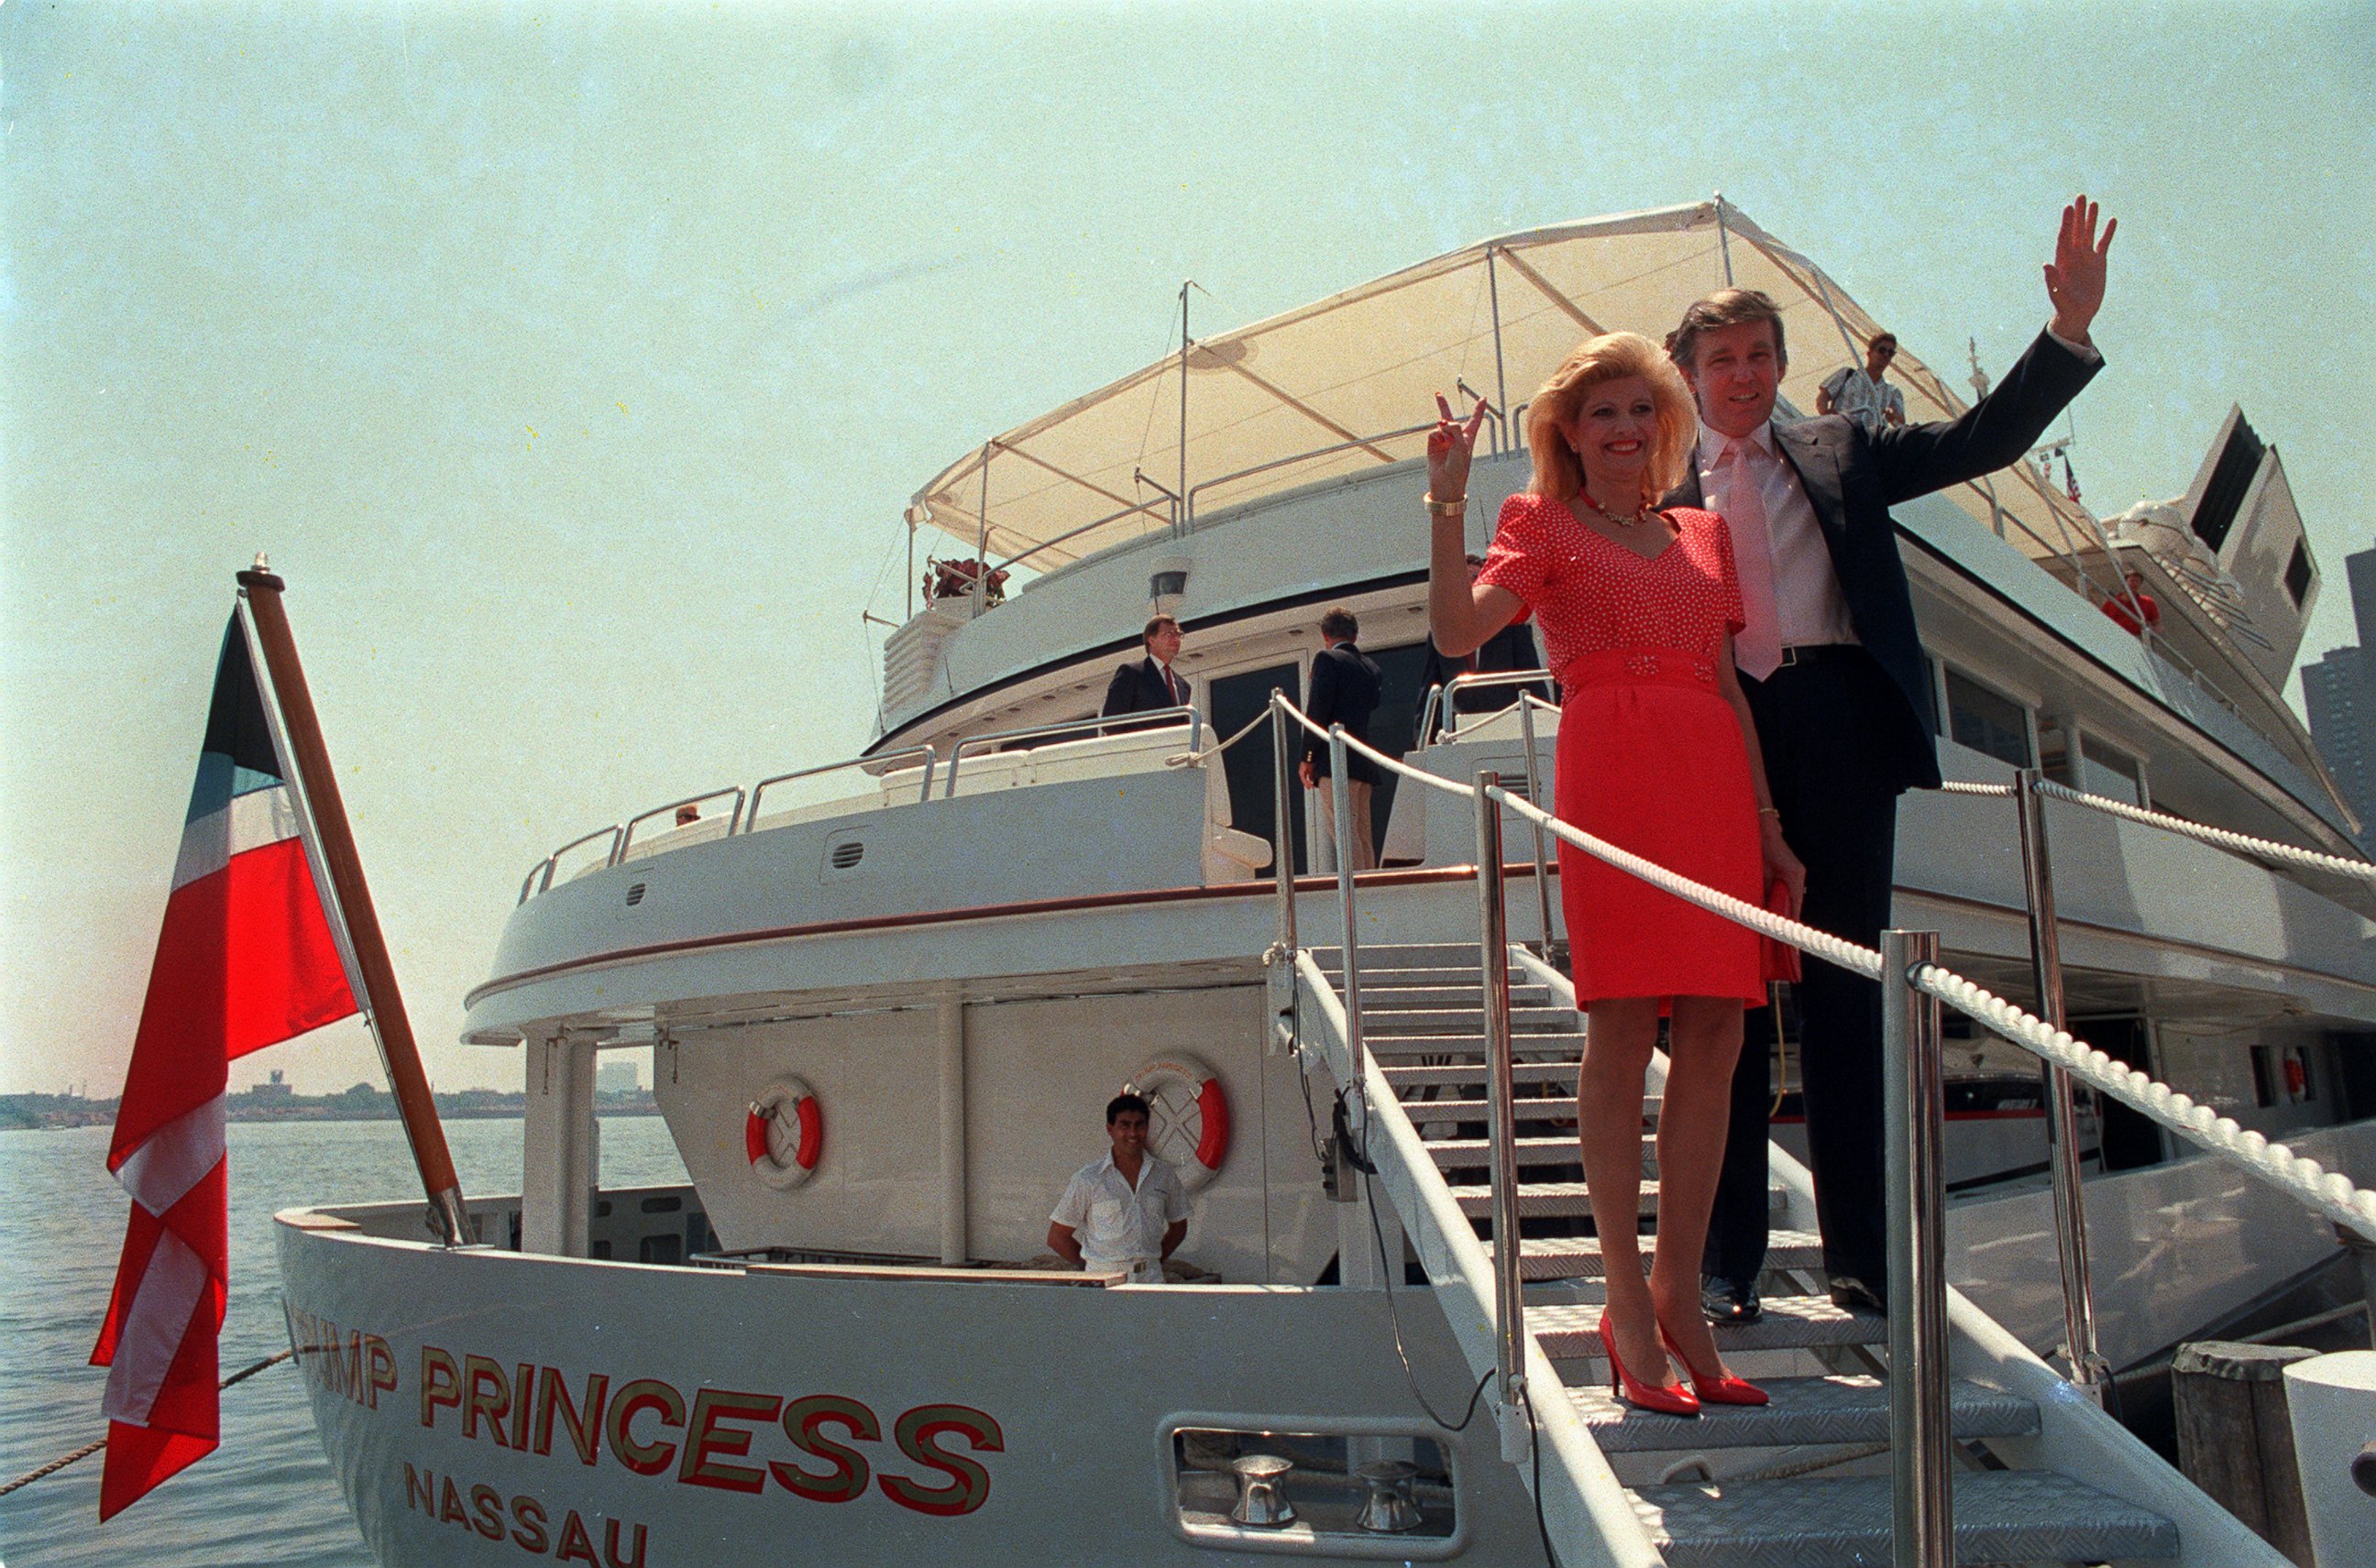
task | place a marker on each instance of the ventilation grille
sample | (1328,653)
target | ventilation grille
(847,854)
(635,895)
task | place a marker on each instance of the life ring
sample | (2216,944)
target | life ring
(1190,1126)
(783,1132)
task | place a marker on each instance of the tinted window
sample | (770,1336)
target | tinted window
(1985,721)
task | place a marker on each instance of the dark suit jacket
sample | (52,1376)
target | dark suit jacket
(1511,648)
(1344,691)
(1137,687)
(1853,476)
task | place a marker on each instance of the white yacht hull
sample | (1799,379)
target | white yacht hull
(1012,1424)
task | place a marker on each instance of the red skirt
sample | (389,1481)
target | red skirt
(1651,760)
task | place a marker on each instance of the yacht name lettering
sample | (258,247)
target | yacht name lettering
(359,1366)
(523,1520)
(720,1437)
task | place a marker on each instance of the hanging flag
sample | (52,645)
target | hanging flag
(247,959)
(2070,480)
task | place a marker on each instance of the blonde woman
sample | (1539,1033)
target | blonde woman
(1657,754)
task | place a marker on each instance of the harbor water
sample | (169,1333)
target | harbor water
(266,1496)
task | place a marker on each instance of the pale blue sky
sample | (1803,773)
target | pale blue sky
(575,362)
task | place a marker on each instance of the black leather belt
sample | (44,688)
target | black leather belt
(1817,653)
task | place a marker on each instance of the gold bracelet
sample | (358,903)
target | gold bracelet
(1770,811)
(1454,508)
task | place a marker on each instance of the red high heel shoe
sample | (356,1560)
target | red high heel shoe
(1668,1399)
(1725,1390)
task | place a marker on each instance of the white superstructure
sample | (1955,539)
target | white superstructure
(885,1004)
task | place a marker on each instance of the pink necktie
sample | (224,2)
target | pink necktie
(1757,647)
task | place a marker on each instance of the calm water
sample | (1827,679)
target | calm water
(266,1496)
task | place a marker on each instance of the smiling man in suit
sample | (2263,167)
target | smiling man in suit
(1142,685)
(1833,668)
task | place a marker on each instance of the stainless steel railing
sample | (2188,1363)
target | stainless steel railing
(880,763)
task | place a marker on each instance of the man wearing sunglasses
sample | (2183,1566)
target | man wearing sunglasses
(1862,395)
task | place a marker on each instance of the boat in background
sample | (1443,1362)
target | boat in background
(886,999)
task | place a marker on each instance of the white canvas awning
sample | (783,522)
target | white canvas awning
(1349,383)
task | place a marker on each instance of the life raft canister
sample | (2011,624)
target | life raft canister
(783,1134)
(1189,1103)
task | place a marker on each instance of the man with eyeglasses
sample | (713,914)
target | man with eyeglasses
(1862,395)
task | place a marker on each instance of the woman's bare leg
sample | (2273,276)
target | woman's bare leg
(1704,1043)
(1619,1036)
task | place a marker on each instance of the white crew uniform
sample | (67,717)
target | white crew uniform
(1118,1227)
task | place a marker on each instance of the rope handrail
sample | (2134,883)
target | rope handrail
(1196,759)
(2332,1193)
(2239,843)
(1963,787)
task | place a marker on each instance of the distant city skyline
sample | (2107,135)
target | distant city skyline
(574,364)
(2339,691)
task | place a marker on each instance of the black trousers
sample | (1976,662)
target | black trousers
(1823,727)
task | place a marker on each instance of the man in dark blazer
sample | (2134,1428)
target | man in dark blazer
(1142,685)
(1833,668)
(1511,648)
(1345,684)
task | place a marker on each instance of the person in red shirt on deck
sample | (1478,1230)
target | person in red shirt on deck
(2118,607)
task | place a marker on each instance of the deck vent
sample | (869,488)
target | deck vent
(848,853)
(635,895)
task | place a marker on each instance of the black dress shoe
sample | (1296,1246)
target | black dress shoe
(1854,1294)
(1730,1301)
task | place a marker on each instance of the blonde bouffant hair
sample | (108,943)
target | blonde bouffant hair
(1558,472)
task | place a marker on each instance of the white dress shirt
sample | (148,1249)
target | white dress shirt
(1117,1225)
(1807,600)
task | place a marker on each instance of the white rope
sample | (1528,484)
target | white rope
(1957,787)
(2242,844)
(2329,1192)
(1192,759)
(1392,765)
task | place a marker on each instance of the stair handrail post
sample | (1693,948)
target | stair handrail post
(1282,832)
(1340,792)
(1921,1504)
(1542,863)
(1493,959)
(2088,1368)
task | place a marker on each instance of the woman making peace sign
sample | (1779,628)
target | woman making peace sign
(1657,755)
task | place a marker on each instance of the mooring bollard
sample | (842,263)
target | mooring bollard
(2234,1440)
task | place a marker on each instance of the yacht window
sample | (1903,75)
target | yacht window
(2264,1092)
(2298,574)
(2103,771)
(1986,721)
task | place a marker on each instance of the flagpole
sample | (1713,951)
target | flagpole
(319,785)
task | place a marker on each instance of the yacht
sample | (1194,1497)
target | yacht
(886,1000)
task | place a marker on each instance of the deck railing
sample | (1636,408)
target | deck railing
(1913,986)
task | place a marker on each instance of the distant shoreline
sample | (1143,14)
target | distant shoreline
(35,1112)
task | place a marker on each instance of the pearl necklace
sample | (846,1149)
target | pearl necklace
(1625,521)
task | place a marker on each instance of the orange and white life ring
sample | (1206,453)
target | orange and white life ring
(1190,1124)
(783,1135)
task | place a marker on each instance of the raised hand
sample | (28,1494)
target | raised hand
(2074,279)
(1449,447)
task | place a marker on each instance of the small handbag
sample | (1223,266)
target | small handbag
(1777,959)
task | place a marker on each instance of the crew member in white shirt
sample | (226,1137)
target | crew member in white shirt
(1126,1210)
(1866,396)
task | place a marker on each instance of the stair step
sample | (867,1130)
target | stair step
(1578,1257)
(1376,998)
(1467,1020)
(1561,1074)
(1572,1331)
(1536,1199)
(1831,1522)
(1470,1153)
(1802,1409)
(1565,1046)
(1403,956)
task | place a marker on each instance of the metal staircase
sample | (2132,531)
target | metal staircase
(1803,1482)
